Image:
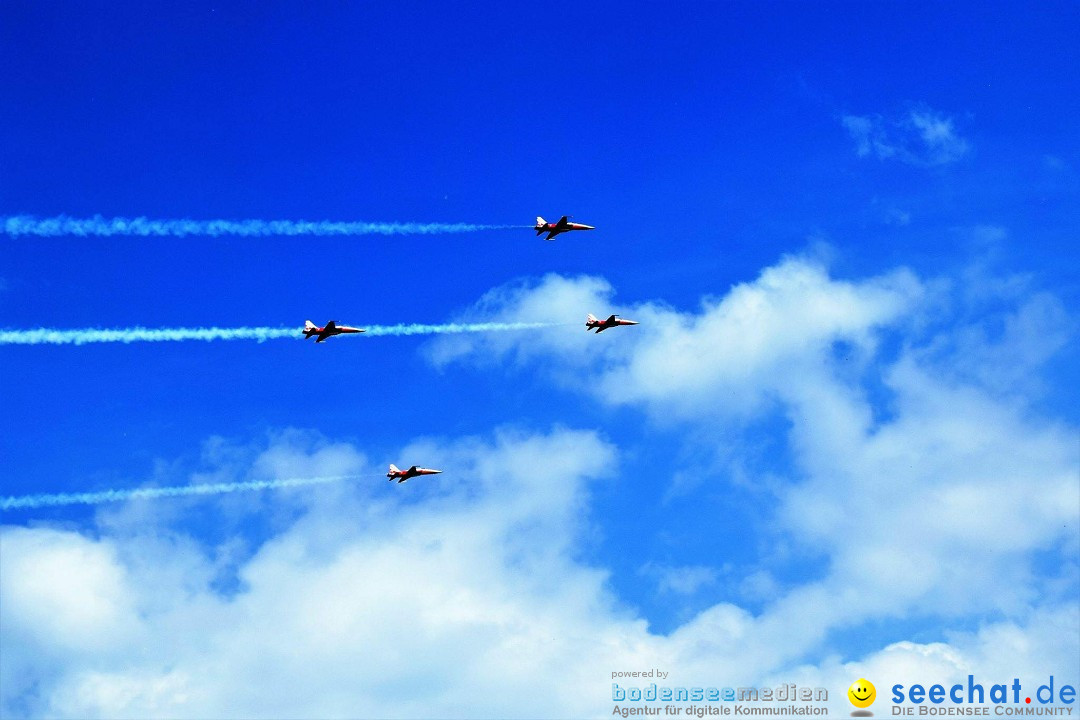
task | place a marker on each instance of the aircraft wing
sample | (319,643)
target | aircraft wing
(562,221)
(551,235)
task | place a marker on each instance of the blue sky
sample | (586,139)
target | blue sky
(849,231)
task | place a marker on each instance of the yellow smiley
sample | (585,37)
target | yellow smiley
(862,693)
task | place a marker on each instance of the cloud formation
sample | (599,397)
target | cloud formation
(930,492)
(728,358)
(916,470)
(470,601)
(921,136)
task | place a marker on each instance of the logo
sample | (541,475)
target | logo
(862,694)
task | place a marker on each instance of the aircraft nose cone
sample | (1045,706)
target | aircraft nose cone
(587,227)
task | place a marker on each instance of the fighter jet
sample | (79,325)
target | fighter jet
(403,475)
(331,329)
(553,229)
(602,325)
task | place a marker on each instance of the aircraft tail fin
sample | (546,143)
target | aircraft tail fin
(394,468)
(540,221)
(308,325)
(590,317)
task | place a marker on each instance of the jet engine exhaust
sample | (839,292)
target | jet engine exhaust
(99,226)
(27,502)
(83,336)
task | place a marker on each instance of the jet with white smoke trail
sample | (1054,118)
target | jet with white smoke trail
(98,226)
(83,336)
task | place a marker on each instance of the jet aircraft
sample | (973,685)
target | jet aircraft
(602,325)
(403,475)
(331,329)
(553,229)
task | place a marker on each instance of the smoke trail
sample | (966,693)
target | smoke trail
(452,328)
(83,336)
(98,226)
(26,502)
(47,336)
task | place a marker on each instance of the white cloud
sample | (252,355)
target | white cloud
(1004,352)
(929,499)
(1030,650)
(468,603)
(467,595)
(681,580)
(722,360)
(896,216)
(69,588)
(367,604)
(919,137)
(868,136)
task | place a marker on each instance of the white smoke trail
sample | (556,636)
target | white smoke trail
(83,336)
(48,336)
(452,328)
(98,226)
(27,502)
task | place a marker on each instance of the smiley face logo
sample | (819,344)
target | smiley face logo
(862,693)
